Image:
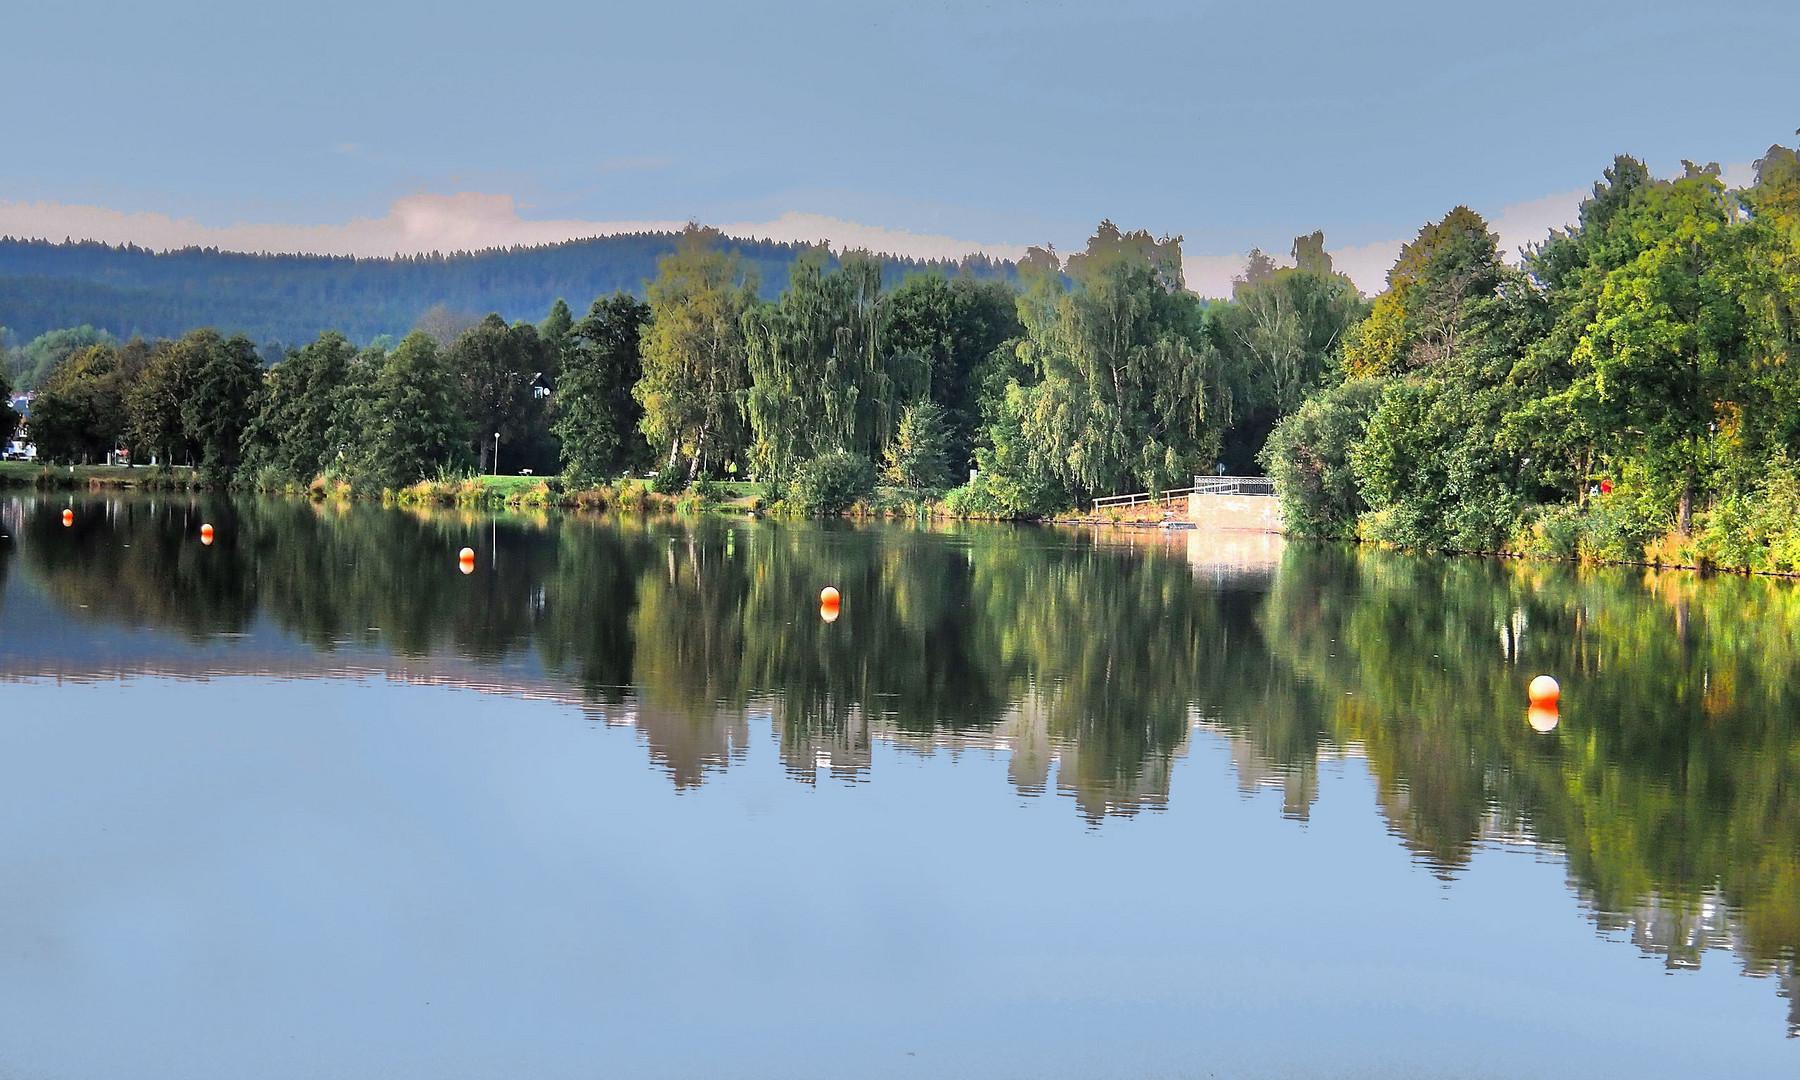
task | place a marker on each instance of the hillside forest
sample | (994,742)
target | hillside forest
(1622,392)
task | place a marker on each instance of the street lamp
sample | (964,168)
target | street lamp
(496,453)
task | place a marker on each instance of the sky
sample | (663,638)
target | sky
(929,129)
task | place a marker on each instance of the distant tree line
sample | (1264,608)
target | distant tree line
(130,291)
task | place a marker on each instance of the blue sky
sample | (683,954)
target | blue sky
(1000,124)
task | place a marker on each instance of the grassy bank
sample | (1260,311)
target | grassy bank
(30,474)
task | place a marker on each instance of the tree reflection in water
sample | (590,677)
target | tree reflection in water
(1671,788)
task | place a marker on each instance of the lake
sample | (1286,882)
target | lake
(621,800)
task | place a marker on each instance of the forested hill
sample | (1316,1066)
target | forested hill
(133,291)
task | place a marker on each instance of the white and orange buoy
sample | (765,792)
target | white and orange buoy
(68,518)
(1544,691)
(465,560)
(829,595)
(206,533)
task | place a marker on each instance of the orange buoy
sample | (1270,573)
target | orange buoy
(828,612)
(466,555)
(1542,718)
(828,595)
(206,532)
(1544,691)
(68,518)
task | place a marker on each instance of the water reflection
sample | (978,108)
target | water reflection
(1670,785)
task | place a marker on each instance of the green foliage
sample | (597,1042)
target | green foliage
(1429,467)
(919,456)
(693,350)
(9,419)
(954,326)
(225,375)
(497,368)
(80,414)
(670,480)
(834,482)
(1279,339)
(1757,529)
(1126,392)
(597,418)
(291,436)
(1308,457)
(820,377)
(410,417)
(34,362)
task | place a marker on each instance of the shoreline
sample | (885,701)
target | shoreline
(633,496)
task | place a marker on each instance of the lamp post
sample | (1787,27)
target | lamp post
(496,453)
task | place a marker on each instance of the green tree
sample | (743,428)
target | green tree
(955,325)
(497,368)
(820,377)
(919,456)
(597,418)
(1671,334)
(1421,320)
(1127,392)
(225,377)
(292,430)
(41,355)
(155,404)
(79,414)
(693,353)
(1279,337)
(1308,456)
(411,419)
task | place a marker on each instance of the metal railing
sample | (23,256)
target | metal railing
(1233,485)
(1141,498)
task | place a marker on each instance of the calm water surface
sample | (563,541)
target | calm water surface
(310,802)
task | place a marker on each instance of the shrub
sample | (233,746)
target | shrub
(832,483)
(1308,457)
(671,480)
(712,491)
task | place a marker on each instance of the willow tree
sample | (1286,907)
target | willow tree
(1129,393)
(821,377)
(693,351)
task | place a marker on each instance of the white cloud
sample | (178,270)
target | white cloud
(421,223)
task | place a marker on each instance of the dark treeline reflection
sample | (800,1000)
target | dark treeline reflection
(1671,785)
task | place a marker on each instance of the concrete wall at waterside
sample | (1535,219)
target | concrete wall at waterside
(1261,512)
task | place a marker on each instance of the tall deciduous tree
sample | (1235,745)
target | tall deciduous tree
(955,325)
(694,366)
(1279,336)
(1129,393)
(821,378)
(80,414)
(597,418)
(225,376)
(497,368)
(292,430)
(411,419)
